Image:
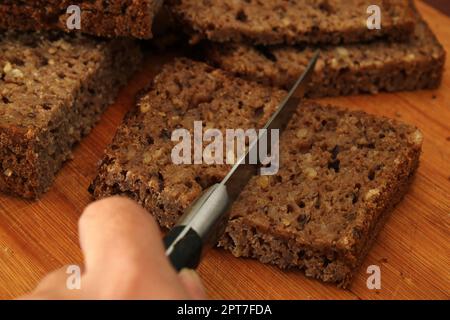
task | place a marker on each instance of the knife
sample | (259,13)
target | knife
(204,222)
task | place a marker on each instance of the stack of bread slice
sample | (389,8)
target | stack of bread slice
(272,41)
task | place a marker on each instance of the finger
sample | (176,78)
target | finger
(123,250)
(53,285)
(193,284)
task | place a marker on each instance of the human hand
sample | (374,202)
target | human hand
(124,259)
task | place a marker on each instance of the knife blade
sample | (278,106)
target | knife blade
(204,222)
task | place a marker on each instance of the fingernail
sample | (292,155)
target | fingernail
(192,279)
(191,274)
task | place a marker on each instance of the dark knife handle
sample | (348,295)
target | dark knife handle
(198,229)
(187,251)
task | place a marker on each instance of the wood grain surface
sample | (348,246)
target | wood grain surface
(413,250)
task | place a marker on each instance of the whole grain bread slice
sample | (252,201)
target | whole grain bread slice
(114,18)
(341,70)
(341,172)
(292,22)
(53,88)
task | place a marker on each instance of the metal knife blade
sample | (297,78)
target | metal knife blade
(242,171)
(205,221)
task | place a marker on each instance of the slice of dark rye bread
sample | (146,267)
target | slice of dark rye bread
(342,70)
(53,88)
(341,172)
(291,22)
(111,18)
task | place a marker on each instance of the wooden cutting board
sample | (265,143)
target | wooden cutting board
(413,250)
